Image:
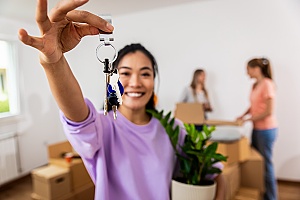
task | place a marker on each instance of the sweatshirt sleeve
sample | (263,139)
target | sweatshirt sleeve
(86,137)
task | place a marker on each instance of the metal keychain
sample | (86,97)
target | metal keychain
(113,87)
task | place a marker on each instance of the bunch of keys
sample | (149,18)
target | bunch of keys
(113,87)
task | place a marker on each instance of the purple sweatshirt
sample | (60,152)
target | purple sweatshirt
(125,161)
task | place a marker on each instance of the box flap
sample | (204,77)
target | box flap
(191,113)
(214,122)
(56,150)
(48,173)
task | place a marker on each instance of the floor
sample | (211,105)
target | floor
(289,190)
(17,190)
(22,188)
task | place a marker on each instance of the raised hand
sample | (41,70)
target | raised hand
(62,29)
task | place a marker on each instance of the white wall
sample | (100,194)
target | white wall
(219,36)
(38,124)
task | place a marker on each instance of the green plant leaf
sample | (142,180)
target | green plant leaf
(154,113)
(195,180)
(213,170)
(165,120)
(185,165)
(218,157)
(175,136)
(211,149)
(172,122)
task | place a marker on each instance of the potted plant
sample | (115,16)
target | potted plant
(196,159)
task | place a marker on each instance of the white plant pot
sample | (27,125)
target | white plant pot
(182,191)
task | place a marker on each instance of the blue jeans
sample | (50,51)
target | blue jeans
(263,141)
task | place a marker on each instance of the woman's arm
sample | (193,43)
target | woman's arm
(243,115)
(207,107)
(61,31)
(66,90)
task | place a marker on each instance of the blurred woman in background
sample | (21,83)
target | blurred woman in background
(196,92)
(261,114)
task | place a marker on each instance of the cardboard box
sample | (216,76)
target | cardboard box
(35,196)
(51,182)
(191,113)
(213,122)
(245,193)
(78,173)
(231,150)
(232,177)
(86,192)
(252,172)
(237,151)
(244,149)
(56,150)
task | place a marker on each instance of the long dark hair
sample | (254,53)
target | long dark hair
(132,48)
(263,64)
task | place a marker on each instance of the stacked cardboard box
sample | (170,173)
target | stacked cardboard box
(51,182)
(244,169)
(236,151)
(245,180)
(78,173)
(62,179)
(232,176)
(252,172)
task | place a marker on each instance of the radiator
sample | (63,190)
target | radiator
(9,157)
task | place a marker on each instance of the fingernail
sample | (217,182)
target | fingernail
(109,27)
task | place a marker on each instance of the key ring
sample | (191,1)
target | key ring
(113,87)
(106,44)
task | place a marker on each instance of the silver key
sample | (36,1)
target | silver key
(114,108)
(105,107)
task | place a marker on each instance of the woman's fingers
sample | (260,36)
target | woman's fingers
(42,17)
(30,40)
(91,19)
(60,11)
(85,29)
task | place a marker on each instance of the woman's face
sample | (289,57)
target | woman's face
(137,77)
(201,78)
(253,71)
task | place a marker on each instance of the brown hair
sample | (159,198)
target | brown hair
(263,64)
(197,73)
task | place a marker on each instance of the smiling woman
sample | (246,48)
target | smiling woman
(9,104)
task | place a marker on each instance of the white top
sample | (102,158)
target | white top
(187,96)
